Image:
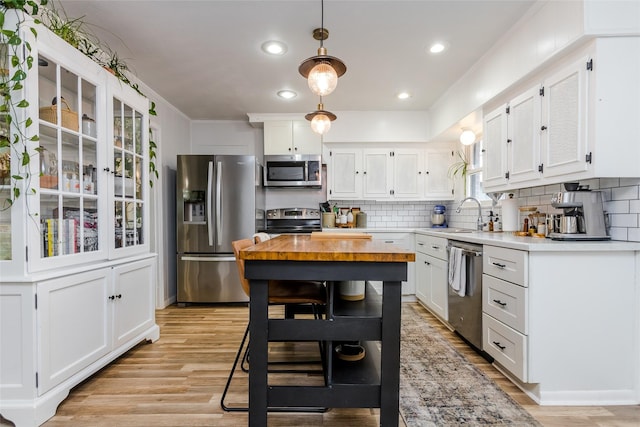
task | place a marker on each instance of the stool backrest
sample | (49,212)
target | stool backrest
(239,245)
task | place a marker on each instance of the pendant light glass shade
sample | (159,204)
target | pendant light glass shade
(320,119)
(320,124)
(322,79)
(467,137)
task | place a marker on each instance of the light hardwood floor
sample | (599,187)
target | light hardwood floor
(178,381)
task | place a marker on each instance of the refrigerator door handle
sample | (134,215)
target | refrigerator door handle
(218,204)
(208,204)
(208,258)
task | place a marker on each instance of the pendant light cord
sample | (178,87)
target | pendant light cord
(321,22)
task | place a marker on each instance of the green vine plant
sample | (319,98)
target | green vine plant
(17,63)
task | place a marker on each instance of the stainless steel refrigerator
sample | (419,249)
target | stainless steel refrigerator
(219,199)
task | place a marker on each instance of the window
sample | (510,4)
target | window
(474,171)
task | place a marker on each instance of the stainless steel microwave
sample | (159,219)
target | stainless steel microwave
(293,170)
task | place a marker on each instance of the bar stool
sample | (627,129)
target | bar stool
(281,293)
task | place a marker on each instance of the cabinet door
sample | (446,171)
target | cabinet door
(408,182)
(71,196)
(278,137)
(129,178)
(438,184)
(73,325)
(305,140)
(377,172)
(133,301)
(345,174)
(495,148)
(565,115)
(423,283)
(523,136)
(405,241)
(439,297)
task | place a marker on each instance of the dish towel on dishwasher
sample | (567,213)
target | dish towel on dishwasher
(457,271)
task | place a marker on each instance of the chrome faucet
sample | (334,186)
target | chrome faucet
(479,221)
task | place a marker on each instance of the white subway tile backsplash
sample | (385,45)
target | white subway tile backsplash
(623,220)
(629,181)
(609,182)
(621,200)
(624,193)
(618,233)
(617,207)
(633,235)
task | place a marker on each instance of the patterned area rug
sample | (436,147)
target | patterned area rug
(439,387)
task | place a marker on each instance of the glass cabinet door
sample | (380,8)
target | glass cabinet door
(68,161)
(129,175)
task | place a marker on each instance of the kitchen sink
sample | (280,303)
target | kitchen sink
(452,230)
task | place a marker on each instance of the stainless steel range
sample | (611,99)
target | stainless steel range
(293,220)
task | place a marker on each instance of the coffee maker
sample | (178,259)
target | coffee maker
(582,217)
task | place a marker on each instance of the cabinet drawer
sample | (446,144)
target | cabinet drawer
(507,346)
(434,246)
(506,302)
(506,264)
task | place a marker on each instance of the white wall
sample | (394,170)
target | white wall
(224,137)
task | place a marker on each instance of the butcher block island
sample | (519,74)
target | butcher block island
(372,382)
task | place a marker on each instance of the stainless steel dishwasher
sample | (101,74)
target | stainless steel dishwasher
(465,313)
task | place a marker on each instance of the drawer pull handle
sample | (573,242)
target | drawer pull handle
(435,247)
(497,301)
(501,347)
(497,264)
(421,244)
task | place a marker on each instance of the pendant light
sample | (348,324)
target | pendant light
(320,119)
(322,71)
(467,137)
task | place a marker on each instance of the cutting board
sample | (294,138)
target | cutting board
(320,235)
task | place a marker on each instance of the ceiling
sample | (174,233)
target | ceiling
(204,57)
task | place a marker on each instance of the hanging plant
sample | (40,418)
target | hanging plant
(17,62)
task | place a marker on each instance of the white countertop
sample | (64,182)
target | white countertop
(507,240)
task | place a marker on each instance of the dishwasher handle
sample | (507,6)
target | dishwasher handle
(466,251)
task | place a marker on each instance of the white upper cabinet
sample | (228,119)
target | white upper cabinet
(408,181)
(378,178)
(495,147)
(578,122)
(86,198)
(438,185)
(290,137)
(523,136)
(564,139)
(344,174)
(401,173)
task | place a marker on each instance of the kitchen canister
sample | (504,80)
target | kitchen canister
(361,220)
(351,290)
(328,220)
(510,214)
(88,126)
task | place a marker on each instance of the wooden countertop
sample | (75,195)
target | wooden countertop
(304,248)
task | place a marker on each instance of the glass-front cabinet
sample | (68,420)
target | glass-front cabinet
(69,153)
(86,198)
(130,177)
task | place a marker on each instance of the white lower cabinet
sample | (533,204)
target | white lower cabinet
(562,323)
(506,345)
(57,332)
(431,274)
(405,241)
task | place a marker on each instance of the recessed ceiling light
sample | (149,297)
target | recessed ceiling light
(287,94)
(436,48)
(273,47)
(404,95)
